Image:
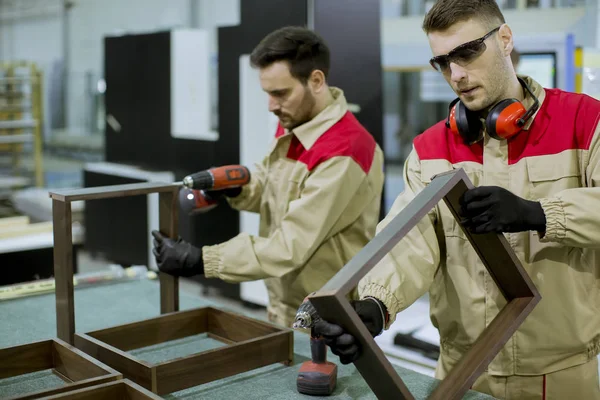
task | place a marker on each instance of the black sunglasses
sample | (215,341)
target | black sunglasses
(462,54)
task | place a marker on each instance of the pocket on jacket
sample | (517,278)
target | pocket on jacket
(549,175)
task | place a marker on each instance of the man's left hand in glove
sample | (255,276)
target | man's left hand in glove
(177,257)
(494,209)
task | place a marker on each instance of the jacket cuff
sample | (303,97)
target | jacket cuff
(213,262)
(239,202)
(556,222)
(393,305)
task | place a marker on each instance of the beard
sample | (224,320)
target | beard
(494,89)
(302,114)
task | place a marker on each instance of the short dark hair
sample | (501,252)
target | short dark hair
(445,13)
(302,48)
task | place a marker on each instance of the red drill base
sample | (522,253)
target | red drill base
(317,379)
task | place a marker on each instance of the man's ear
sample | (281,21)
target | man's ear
(506,39)
(316,80)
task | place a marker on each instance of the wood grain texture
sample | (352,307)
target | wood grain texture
(222,362)
(495,253)
(497,256)
(168,220)
(236,327)
(24,359)
(76,365)
(483,351)
(137,370)
(155,330)
(348,277)
(121,390)
(249,344)
(112,191)
(373,365)
(75,368)
(63,270)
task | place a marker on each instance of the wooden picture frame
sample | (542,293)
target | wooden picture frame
(63,244)
(122,390)
(332,304)
(250,344)
(73,366)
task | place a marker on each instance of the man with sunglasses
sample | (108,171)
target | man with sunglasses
(534,156)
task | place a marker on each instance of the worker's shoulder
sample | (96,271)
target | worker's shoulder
(578,111)
(346,138)
(439,143)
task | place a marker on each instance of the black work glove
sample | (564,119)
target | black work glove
(229,192)
(494,209)
(344,344)
(177,257)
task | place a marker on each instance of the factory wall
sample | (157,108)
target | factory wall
(87,23)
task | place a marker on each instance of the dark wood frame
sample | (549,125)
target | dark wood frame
(73,366)
(63,244)
(123,390)
(331,302)
(250,344)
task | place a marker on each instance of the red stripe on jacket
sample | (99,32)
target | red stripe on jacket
(565,121)
(346,138)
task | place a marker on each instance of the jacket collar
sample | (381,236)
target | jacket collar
(310,131)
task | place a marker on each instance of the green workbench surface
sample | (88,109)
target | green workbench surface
(33,318)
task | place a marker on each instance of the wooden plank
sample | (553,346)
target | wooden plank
(236,327)
(26,358)
(483,351)
(349,276)
(137,370)
(155,330)
(372,364)
(69,364)
(24,230)
(168,226)
(14,221)
(122,390)
(63,270)
(111,191)
(495,253)
(219,363)
(76,365)
(498,257)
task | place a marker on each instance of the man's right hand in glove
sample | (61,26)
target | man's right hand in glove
(372,312)
(177,257)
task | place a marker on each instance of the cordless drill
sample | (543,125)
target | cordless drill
(195,196)
(317,377)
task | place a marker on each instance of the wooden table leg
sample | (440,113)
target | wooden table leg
(168,225)
(63,270)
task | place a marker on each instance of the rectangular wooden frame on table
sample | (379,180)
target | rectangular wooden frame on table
(249,343)
(74,367)
(331,301)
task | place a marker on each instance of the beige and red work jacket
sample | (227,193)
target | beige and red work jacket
(318,192)
(555,160)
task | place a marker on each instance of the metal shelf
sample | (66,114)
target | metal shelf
(18,124)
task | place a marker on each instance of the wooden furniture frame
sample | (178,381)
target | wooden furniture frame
(63,244)
(331,302)
(73,366)
(250,344)
(122,390)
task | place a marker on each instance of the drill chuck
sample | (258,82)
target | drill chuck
(200,181)
(306,316)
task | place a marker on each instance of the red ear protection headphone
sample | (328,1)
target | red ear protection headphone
(504,120)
